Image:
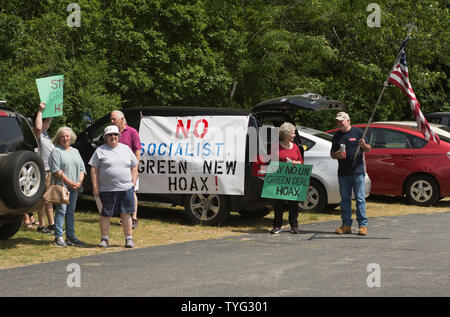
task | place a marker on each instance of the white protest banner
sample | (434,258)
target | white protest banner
(193,154)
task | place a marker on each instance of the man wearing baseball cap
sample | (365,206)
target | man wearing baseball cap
(351,172)
(129,137)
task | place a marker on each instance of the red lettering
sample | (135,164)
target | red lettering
(58,107)
(56,83)
(205,128)
(180,125)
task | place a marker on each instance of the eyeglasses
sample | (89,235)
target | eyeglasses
(113,134)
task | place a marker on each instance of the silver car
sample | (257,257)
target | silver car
(323,188)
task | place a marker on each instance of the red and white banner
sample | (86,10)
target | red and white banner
(197,154)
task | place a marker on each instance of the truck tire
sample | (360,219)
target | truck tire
(23,179)
(9,228)
(206,209)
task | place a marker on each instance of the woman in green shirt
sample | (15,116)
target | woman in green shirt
(67,166)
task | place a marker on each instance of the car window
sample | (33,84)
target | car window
(10,134)
(307,143)
(417,143)
(390,139)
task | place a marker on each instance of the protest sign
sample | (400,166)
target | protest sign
(286,181)
(51,92)
(193,154)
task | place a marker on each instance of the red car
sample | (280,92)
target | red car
(403,162)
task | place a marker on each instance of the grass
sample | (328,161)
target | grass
(159,226)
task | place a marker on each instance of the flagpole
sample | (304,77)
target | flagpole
(385,84)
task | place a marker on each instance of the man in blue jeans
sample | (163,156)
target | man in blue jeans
(351,172)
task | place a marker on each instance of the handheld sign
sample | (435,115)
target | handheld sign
(286,181)
(51,92)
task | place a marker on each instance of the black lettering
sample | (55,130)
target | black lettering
(141,167)
(161,167)
(182,183)
(150,165)
(231,167)
(204,187)
(172,183)
(208,166)
(279,191)
(218,167)
(193,184)
(182,167)
(171,165)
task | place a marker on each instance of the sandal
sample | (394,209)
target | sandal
(28,226)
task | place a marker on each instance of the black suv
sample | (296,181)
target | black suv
(22,176)
(207,209)
(213,208)
(439,117)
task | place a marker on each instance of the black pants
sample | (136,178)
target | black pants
(280,207)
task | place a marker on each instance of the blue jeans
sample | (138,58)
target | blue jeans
(67,213)
(346,185)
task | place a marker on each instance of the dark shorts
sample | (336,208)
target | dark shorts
(121,202)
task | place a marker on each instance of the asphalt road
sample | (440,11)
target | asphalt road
(402,256)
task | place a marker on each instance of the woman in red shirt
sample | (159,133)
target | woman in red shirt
(288,151)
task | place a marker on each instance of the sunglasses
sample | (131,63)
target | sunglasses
(113,134)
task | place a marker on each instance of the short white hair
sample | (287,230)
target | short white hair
(121,115)
(60,132)
(285,129)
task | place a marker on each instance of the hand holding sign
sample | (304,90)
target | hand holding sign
(51,93)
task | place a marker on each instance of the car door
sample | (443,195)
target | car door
(389,161)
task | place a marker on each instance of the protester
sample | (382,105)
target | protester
(129,136)
(40,127)
(114,175)
(351,172)
(68,169)
(28,221)
(288,151)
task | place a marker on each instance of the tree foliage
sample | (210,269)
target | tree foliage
(222,53)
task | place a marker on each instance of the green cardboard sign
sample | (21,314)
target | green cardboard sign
(286,181)
(51,92)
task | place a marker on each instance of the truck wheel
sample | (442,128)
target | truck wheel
(9,227)
(23,179)
(207,209)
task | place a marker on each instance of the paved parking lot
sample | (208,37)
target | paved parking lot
(402,256)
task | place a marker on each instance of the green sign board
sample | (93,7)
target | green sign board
(286,181)
(51,92)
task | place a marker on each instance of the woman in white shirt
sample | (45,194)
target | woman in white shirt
(114,175)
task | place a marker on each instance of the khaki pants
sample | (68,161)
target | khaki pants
(48,175)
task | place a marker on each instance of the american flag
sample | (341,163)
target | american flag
(399,77)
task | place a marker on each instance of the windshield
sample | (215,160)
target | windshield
(324,136)
(444,138)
